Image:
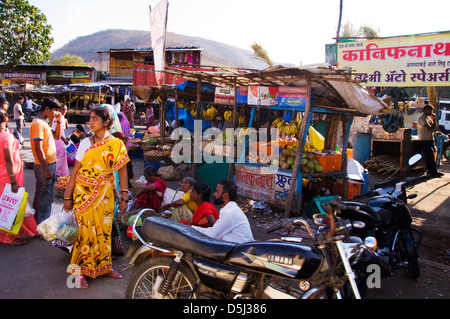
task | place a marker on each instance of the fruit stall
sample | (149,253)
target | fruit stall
(300,153)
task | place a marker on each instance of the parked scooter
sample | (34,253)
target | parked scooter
(177,262)
(383,213)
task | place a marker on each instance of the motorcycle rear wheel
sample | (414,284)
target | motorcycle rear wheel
(142,282)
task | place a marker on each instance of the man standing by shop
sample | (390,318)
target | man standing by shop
(44,151)
(18,114)
(426,125)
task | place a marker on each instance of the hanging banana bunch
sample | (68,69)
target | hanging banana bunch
(210,114)
(190,106)
(228,116)
(293,127)
(180,105)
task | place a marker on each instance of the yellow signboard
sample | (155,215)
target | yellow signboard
(421,60)
(120,68)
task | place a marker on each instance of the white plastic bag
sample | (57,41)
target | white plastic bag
(29,211)
(61,227)
(12,209)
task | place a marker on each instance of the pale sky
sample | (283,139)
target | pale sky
(292,31)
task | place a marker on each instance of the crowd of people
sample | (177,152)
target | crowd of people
(98,189)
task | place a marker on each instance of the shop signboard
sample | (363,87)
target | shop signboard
(224,95)
(408,61)
(291,96)
(69,74)
(266,95)
(25,76)
(242,95)
(263,183)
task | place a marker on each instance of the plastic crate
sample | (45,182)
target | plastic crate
(314,206)
(353,188)
(330,162)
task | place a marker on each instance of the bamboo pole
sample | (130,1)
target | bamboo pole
(300,148)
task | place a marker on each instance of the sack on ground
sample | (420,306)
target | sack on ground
(61,227)
(169,173)
(12,209)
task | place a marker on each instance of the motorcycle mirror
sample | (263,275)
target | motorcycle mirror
(370,243)
(414,159)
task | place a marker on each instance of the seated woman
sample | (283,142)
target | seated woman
(152,194)
(81,132)
(206,214)
(182,208)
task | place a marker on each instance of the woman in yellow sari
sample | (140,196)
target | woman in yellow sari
(90,193)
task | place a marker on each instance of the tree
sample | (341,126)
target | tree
(69,60)
(259,53)
(24,34)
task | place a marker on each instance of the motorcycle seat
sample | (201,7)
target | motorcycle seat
(170,234)
(383,216)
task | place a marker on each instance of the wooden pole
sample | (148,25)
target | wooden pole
(231,167)
(301,139)
(198,116)
(176,108)
(163,116)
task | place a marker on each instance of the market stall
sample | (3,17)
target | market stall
(84,96)
(319,89)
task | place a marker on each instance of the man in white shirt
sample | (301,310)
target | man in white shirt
(18,114)
(30,107)
(232,224)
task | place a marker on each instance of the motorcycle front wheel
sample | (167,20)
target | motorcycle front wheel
(409,248)
(145,281)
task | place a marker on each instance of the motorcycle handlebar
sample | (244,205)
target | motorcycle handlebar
(291,224)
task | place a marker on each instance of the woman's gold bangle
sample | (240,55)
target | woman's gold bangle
(68,198)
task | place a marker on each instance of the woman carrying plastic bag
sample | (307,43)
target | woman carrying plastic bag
(11,172)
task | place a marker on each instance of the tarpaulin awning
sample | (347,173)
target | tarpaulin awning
(193,85)
(331,87)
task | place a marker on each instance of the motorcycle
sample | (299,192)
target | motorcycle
(383,213)
(177,262)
